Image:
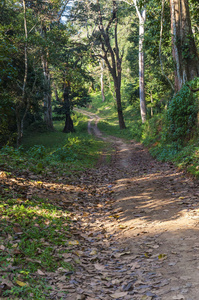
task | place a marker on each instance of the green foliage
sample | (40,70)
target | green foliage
(69,151)
(181,116)
(165,152)
(11,151)
(152,130)
(38,151)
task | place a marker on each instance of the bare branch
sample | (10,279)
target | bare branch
(193,90)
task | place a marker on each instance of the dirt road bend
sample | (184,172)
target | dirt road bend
(140,219)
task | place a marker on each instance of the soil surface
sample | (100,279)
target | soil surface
(139,219)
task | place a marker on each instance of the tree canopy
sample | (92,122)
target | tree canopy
(54,54)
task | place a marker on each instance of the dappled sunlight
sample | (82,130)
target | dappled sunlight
(123,150)
(149,177)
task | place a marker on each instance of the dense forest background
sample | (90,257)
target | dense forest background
(134,59)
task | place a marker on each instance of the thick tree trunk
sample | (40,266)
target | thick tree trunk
(69,127)
(143,111)
(183,45)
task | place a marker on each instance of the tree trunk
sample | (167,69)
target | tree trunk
(114,63)
(47,83)
(21,104)
(183,45)
(151,95)
(102,79)
(47,96)
(119,105)
(68,122)
(56,94)
(117,86)
(142,18)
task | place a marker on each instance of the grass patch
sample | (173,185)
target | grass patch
(55,151)
(33,237)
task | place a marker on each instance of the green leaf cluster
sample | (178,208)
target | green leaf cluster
(181,116)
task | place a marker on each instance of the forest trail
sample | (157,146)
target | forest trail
(143,221)
(131,231)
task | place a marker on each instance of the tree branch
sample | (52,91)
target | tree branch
(191,89)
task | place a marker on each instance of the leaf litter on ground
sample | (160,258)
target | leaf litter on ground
(59,239)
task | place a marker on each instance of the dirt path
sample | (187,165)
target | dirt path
(140,220)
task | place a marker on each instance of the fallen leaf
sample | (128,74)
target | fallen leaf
(147,255)
(17,252)
(93,252)
(81,297)
(99,267)
(122,226)
(77,260)
(117,255)
(134,266)
(40,272)
(119,295)
(178,297)
(78,253)
(162,256)
(17,230)
(114,216)
(155,246)
(73,243)
(21,283)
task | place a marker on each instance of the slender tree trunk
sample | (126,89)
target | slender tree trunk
(142,18)
(47,83)
(119,104)
(112,56)
(56,94)
(47,96)
(143,111)
(102,79)
(151,96)
(183,45)
(21,104)
(68,121)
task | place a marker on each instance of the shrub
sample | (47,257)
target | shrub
(37,151)
(181,116)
